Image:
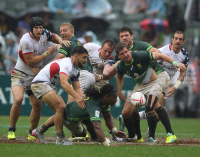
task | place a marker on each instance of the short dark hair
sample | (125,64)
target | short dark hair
(79,50)
(95,93)
(110,43)
(125,29)
(120,46)
(179,32)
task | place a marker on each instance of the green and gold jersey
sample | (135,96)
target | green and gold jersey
(144,46)
(138,68)
(94,107)
(67,51)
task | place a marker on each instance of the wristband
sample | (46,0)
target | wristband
(114,130)
(46,54)
(60,41)
(101,77)
(177,84)
(175,63)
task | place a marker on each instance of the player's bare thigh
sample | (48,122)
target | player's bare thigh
(128,110)
(53,100)
(18,93)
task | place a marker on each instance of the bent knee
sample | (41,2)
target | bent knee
(18,101)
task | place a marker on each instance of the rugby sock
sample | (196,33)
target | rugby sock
(60,136)
(42,129)
(12,128)
(163,116)
(152,122)
(137,124)
(130,125)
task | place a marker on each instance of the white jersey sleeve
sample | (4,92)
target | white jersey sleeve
(26,46)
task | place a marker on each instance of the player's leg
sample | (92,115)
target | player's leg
(129,121)
(39,131)
(79,133)
(163,116)
(53,100)
(35,112)
(18,94)
(152,100)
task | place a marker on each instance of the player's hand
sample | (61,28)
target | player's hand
(182,66)
(80,101)
(67,43)
(52,49)
(120,134)
(122,96)
(97,77)
(170,92)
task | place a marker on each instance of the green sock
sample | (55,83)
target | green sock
(163,116)
(136,117)
(130,125)
(152,122)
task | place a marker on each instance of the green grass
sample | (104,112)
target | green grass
(183,128)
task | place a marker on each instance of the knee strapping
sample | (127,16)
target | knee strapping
(150,107)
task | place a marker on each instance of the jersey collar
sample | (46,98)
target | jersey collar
(131,47)
(130,63)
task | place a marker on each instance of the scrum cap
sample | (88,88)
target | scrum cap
(35,21)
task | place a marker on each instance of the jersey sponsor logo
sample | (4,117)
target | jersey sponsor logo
(22,81)
(139,66)
(97,113)
(28,47)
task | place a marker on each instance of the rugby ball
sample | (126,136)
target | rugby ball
(138,99)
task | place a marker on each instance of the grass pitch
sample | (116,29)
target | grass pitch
(185,129)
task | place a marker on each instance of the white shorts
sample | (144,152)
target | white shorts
(153,88)
(41,88)
(21,79)
(164,80)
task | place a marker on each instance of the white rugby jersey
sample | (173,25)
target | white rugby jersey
(50,73)
(96,61)
(181,57)
(29,45)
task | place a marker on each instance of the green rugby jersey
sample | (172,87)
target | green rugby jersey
(67,51)
(138,68)
(74,114)
(144,46)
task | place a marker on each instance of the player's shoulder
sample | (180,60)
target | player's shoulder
(164,48)
(91,45)
(26,39)
(184,52)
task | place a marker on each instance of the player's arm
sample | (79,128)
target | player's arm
(68,88)
(160,56)
(109,121)
(120,82)
(170,92)
(56,39)
(99,132)
(153,49)
(31,60)
(109,71)
(111,126)
(77,88)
